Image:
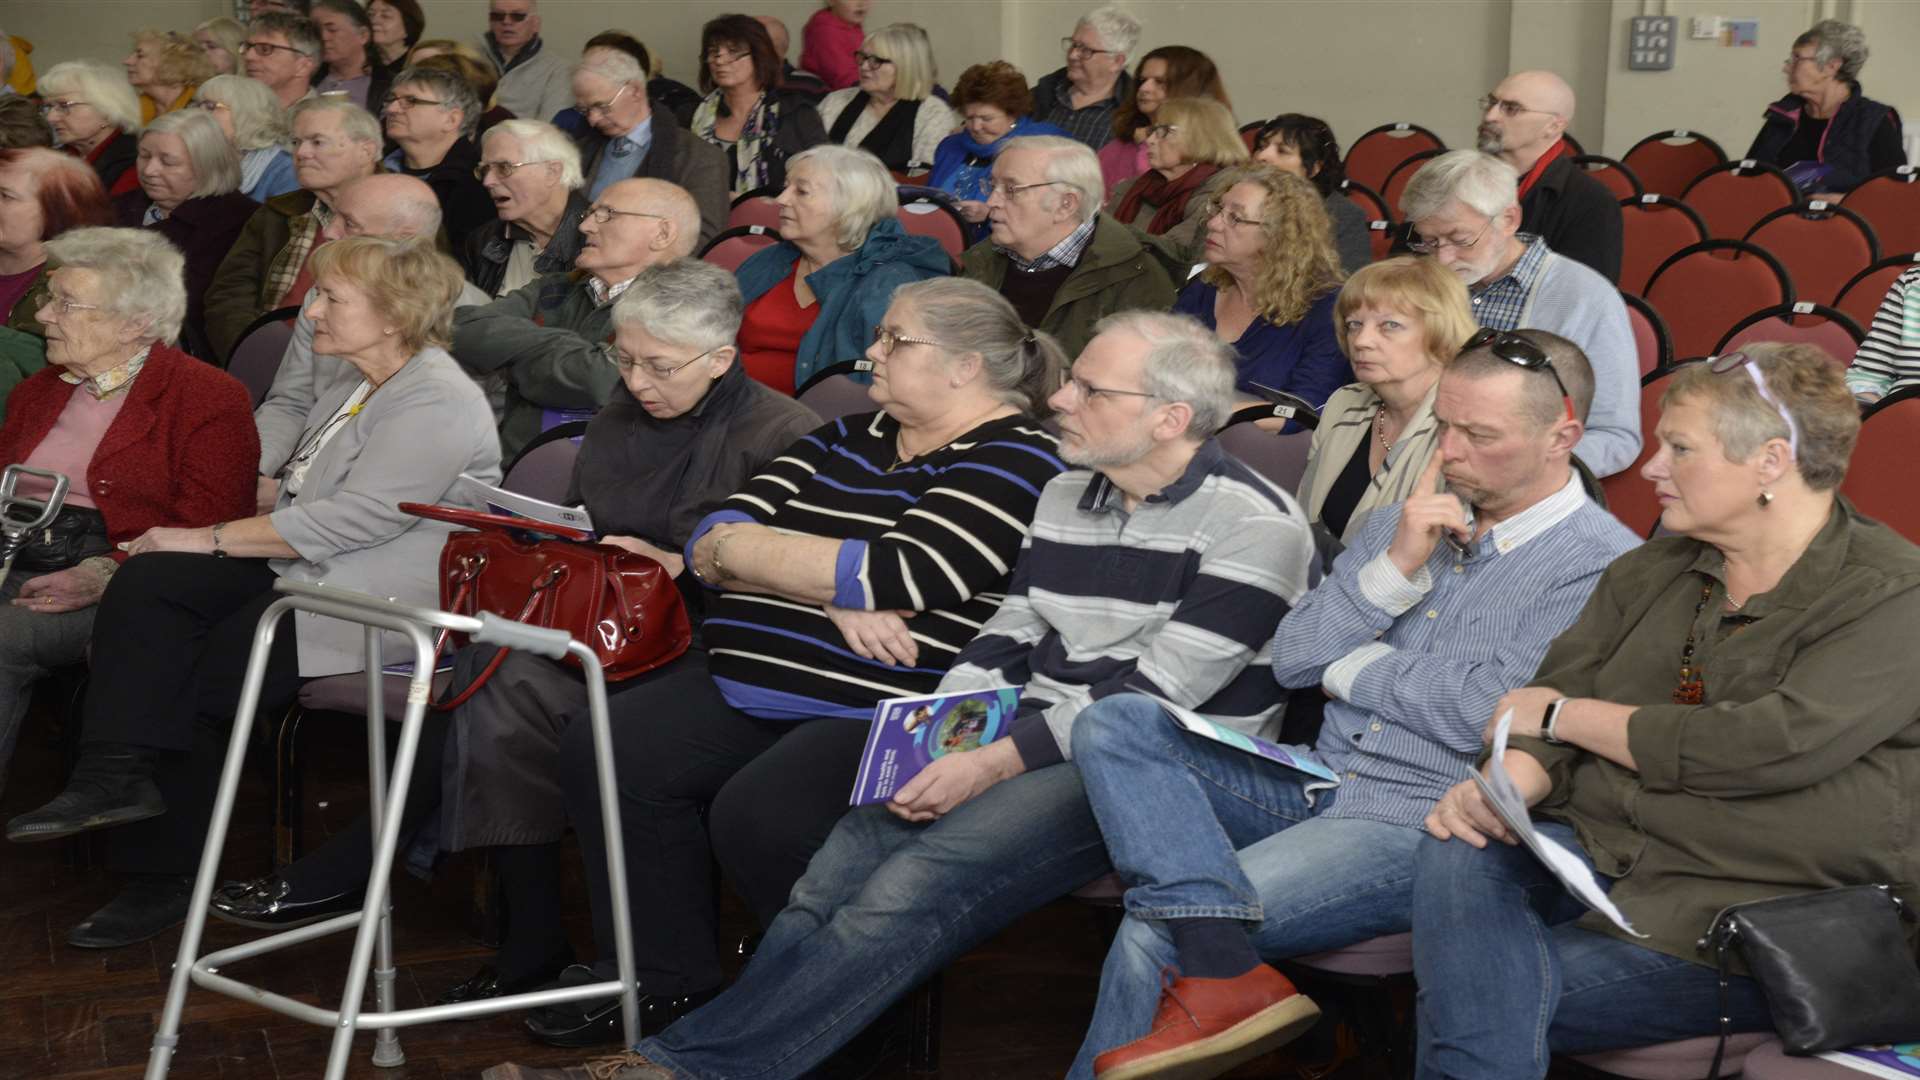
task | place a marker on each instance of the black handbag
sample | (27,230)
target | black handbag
(76,533)
(1834,966)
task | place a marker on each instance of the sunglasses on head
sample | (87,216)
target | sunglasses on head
(1720,365)
(1515,349)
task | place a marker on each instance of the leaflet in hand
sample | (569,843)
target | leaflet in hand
(909,733)
(1505,798)
(1293,757)
(501,501)
(1899,1062)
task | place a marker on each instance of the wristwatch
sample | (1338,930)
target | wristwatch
(1552,718)
(218,551)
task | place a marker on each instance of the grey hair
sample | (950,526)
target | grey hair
(1802,378)
(863,190)
(1837,39)
(299,31)
(1480,182)
(259,121)
(1022,366)
(541,141)
(141,274)
(906,44)
(216,164)
(1185,362)
(1070,163)
(614,65)
(101,85)
(684,302)
(356,123)
(1117,29)
(1541,396)
(453,91)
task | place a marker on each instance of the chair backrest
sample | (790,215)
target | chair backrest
(1667,161)
(930,217)
(1652,228)
(833,392)
(1651,338)
(1821,244)
(1880,475)
(1804,323)
(755,207)
(1861,296)
(732,247)
(1367,199)
(1614,176)
(1282,459)
(256,356)
(1734,195)
(1250,134)
(545,470)
(1372,157)
(1402,174)
(1629,495)
(1704,289)
(1890,202)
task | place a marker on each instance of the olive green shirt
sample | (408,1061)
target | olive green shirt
(1801,769)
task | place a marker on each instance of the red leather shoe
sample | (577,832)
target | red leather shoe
(1206,1026)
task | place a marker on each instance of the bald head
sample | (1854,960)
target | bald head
(776,30)
(386,204)
(1531,111)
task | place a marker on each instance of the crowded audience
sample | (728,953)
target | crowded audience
(253,121)
(532,174)
(891,112)
(1172,71)
(745,113)
(1186,148)
(165,69)
(1523,121)
(431,116)
(1305,146)
(44,193)
(95,116)
(628,136)
(283,53)
(993,104)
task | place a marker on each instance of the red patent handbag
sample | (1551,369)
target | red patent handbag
(622,605)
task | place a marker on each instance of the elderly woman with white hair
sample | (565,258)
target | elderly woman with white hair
(531,171)
(1826,133)
(189,180)
(176,626)
(95,115)
(892,112)
(814,298)
(253,121)
(146,435)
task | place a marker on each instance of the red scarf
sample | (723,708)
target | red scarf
(1169,195)
(1555,151)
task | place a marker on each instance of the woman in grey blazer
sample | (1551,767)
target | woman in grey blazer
(172,637)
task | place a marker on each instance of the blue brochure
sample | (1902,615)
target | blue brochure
(909,733)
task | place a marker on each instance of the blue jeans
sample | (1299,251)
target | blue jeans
(1203,830)
(1506,979)
(883,906)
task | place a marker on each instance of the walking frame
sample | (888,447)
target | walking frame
(385,795)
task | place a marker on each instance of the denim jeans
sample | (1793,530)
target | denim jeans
(1507,980)
(1203,830)
(883,906)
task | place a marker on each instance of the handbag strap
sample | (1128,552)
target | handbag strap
(1721,936)
(546,581)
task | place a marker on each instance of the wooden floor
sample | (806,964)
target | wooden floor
(1015,1008)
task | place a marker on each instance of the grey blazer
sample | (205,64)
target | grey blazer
(427,424)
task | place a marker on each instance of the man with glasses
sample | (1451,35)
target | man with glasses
(1058,259)
(1522,123)
(1443,604)
(283,52)
(1465,212)
(533,82)
(541,350)
(1082,96)
(628,137)
(1159,565)
(431,115)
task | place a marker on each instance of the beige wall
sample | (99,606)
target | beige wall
(1357,63)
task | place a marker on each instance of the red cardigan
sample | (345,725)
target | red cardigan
(183,453)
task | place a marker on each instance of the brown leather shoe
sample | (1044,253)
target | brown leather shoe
(1206,1026)
(626,1066)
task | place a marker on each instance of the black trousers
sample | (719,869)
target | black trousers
(170,648)
(775,790)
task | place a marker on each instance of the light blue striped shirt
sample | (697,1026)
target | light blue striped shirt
(1414,667)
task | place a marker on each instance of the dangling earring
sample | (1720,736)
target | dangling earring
(1765,500)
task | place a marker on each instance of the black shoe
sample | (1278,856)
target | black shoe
(265,904)
(149,905)
(581,1024)
(486,983)
(111,785)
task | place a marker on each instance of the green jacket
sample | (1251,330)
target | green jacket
(234,297)
(1115,273)
(1799,772)
(21,355)
(541,347)
(22,318)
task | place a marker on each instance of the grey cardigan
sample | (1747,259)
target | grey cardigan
(1345,425)
(427,424)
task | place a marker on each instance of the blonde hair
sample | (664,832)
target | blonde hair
(99,84)
(905,44)
(1298,261)
(1207,131)
(1411,286)
(228,32)
(1805,381)
(408,281)
(182,62)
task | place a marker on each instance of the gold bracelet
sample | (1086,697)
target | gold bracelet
(719,571)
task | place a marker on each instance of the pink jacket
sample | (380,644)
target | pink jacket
(828,45)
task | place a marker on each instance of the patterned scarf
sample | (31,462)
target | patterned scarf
(108,383)
(748,153)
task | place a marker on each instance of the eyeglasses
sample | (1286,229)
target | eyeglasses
(1508,107)
(627,364)
(1234,220)
(515,17)
(1077,51)
(1515,349)
(888,340)
(1009,190)
(1161,131)
(1088,392)
(504,168)
(205,105)
(68,307)
(1723,364)
(1797,59)
(59,108)
(264,49)
(1428,247)
(604,106)
(604,214)
(867,59)
(722,56)
(407,101)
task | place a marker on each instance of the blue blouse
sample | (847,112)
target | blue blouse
(1303,358)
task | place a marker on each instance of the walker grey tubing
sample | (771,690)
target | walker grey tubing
(508,634)
(377,614)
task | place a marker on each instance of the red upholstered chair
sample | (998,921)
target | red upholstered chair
(1250,134)
(1667,161)
(1651,339)
(1367,199)
(1861,297)
(1617,177)
(732,247)
(1652,228)
(755,207)
(1890,201)
(1380,237)
(930,217)
(1402,173)
(1703,290)
(1799,323)
(1683,1059)
(1733,196)
(1373,155)
(1629,495)
(1573,144)
(1822,245)
(1880,476)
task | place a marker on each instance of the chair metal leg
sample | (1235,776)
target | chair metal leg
(289,793)
(923,1019)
